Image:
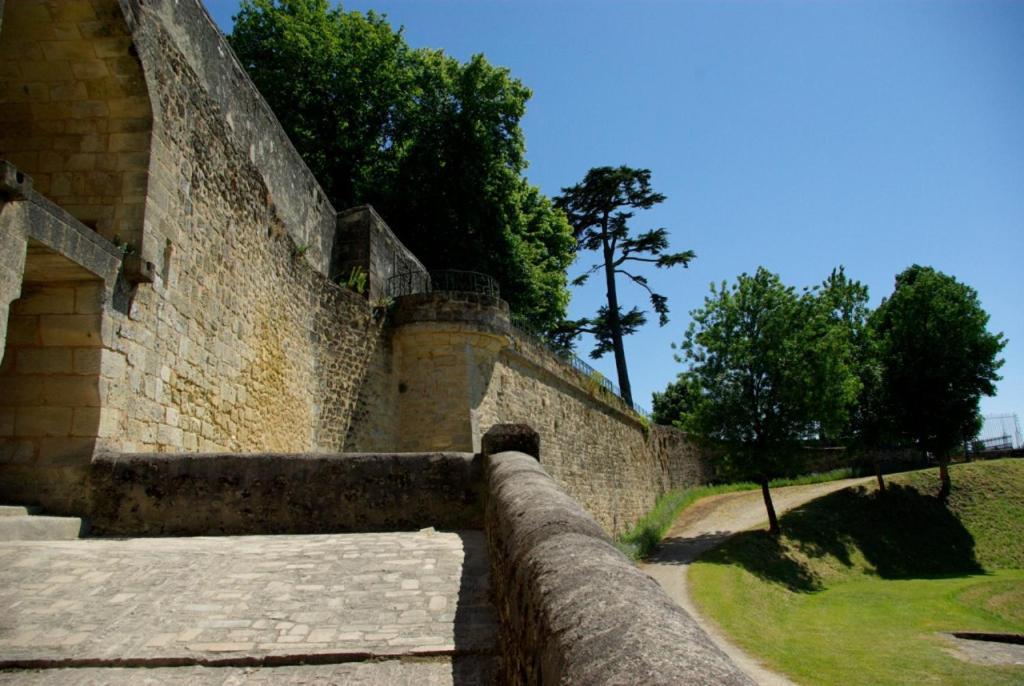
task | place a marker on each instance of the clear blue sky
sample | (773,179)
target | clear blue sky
(794,135)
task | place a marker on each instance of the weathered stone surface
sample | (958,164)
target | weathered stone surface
(190,494)
(516,437)
(245,601)
(472,670)
(573,609)
(365,242)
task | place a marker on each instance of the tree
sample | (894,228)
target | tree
(434,144)
(599,209)
(937,359)
(845,303)
(674,406)
(773,371)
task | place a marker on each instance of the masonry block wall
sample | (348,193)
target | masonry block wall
(237,339)
(461,368)
(76,115)
(240,342)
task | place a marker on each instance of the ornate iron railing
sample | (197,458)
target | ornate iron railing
(447,280)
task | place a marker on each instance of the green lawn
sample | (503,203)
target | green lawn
(859,587)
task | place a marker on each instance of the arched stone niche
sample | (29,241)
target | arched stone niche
(74,110)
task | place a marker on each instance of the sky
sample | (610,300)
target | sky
(798,136)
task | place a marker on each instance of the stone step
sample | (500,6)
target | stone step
(17,510)
(39,528)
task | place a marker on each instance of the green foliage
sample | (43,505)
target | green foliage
(881,576)
(357,279)
(937,358)
(774,368)
(599,209)
(674,406)
(434,144)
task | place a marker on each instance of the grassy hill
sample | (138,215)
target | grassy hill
(861,586)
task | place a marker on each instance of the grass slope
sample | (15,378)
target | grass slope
(860,586)
(643,538)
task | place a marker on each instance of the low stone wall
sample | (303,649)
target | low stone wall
(573,609)
(197,494)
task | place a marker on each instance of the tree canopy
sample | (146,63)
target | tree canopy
(937,359)
(773,369)
(433,143)
(599,209)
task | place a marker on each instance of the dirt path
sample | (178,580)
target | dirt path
(708,524)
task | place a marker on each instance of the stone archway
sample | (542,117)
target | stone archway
(50,414)
(74,110)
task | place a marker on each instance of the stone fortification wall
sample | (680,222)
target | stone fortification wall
(366,243)
(601,453)
(460,368)
(234,339)
(552,567)
(190,494)
(241,343)
(183,30)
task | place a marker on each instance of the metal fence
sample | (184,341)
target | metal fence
(447,280)
(457,281)
(525,329)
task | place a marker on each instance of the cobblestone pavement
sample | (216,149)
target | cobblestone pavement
(435,672)
(247,601)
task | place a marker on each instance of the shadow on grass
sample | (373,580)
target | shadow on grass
(902,534)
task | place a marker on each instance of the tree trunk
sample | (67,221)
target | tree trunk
(878,475)
(944,476)
(614,325)
(773,520)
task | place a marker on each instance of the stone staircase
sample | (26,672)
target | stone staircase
(19,523)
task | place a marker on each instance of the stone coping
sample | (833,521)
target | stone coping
(573,609)
(176,494)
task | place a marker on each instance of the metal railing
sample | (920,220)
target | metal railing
(527,330)
(442,281)
(457,281)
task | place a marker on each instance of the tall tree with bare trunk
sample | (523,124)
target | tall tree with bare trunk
(599,209)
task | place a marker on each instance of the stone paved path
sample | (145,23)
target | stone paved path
(707,524)
(413,606)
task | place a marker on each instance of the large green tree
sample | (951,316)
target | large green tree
(937,359)
(674,405)
(599,209)
(773,368)
(433,143)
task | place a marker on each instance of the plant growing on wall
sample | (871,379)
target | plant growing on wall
(599,209)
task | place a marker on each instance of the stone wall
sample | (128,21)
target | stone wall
(552,567)
(460,368)
(75,114)
(196,494)
(182,49)
(364,242)
(235,340)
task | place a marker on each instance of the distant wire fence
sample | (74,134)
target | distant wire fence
(443,281)
(525,329)
(1000,432)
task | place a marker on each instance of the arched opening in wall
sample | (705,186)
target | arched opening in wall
(74,110)
(50,414)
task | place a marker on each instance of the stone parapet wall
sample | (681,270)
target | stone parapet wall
(190,494)
(248,124)
(365,242)
(604,455)
(552,567)
(459,368)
